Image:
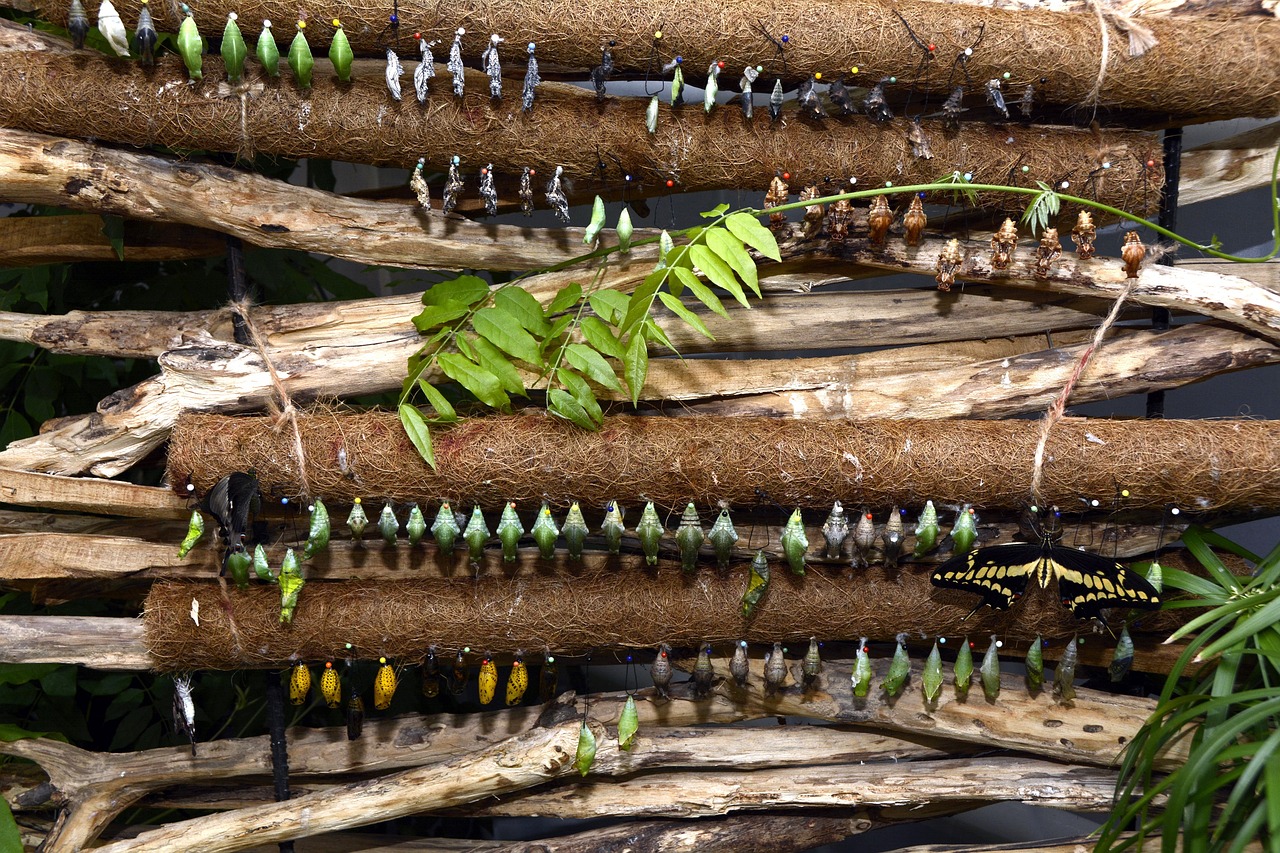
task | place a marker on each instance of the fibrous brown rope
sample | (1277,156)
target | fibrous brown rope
(1201,465)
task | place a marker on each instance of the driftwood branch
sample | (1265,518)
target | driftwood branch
(30,240)
(82,494)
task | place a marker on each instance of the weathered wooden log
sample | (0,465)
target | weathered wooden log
(1206,465)
(50,91)
(30,240)
(82,494)
(1186,74)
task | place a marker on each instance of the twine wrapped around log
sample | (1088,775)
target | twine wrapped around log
(52,91)
(1199,67)
(573,615)
(1196,465)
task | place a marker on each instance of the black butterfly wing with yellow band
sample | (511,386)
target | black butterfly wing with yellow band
(998,572)
(1088,583)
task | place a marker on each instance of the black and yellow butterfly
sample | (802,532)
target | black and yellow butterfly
(1087,583)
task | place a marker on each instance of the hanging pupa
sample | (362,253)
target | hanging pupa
(492,66)
(260,565)
(355,716)
(775,670)
(452,185)
(488,680)
(931,678)
(624,230)
(613,528)
(184,709)
(600,73)
(1064,677)
(757,584)
(703,673)
(299,683)
(458,676)
(879,219)
(384,685)
(921,150)
(195,529)
(775,100)
(876,105)
(444,529)
(556,198)
(340,54)
(526,191)
(394,72)
(548,680)
(964,669)
(899,668)
(677,82)
(574,531)
(596,225)
(628,723)
(894,534)
(913,222)
(723,537)
(112,29)
(965,533)
(586,754)
(267,51)
(426,68)
(794,543)
(749,76)
(509,531)
(190,45)
(357,521)
(318,531)
(476,534)
(531,80)
(78,24)
(455,63)
(418,184)
(300,59)
(990,670)
(713,85)
(689,538)
(835,530)
(811,666)
(861,677)
(660,672)
(517,681)
(926,530)
(808,100)
(864,539)
(416,525)
(145,36)
(995,98)
(431,674)
(739,665)
(649,530)
(1155,575)
(1035,667)
(234,50)
(291,583)
(237,564)
(651,115)
(545,532)
(838,93)
(330,686)
(1122,657)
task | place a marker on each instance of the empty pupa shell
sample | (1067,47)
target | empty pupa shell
(574,531)
(651,115)
(545,532)
(723,538)
(112,29)
(260,566)
(689,538)
(237,564)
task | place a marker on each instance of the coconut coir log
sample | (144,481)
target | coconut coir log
(1198,465)
(572,615)
(82,95)
(1198,68)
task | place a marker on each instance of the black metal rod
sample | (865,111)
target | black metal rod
(279,746)
(237,287)
(1168,218)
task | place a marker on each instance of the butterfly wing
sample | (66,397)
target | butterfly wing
(1089,583)
(230,502)
(998,572)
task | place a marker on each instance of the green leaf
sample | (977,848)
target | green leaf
(435,315)
(677,308)
(748,229)
(609,304)
(10,837)
(21,673)
(496,362)
(566,297)
(600,337)
(415,426)
(715,269)
(581,391)
(636,365)
(498,327)
(480,382)
(444,409)
(10,732)
(523,308)
(108,685)
(653,332)
(130,727)
(467,289)
(563,404)
(642,300)
(562,322)
(593,365)
(701,291)
(113,230)
(729,248)
(716,212)
(60,682)
(466,346)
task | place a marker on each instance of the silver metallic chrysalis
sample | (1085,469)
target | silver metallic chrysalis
(531,80)
(556,197)
(452,186)
(426,68)
(492,67)
(394,72)
(835,530)
(488,192)
(455,63)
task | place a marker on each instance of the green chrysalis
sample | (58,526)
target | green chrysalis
(926,530)
(899,669)
(291,584)
(665,244)
(794,543)
(677,84)
(191,46)
(545,532)
(713,86)
(689,537)
(861,671)
(260,566)
(931,678)
(964,669)
(757,584)
(628,723)
(1122,657)
(835,530)
(509,531)
(268,52)
(318,534)
(388,525)
(1064,677)
(300,59)
(357,521)
(476,534)
(990,670)
(723,538)
(195,529)
(775,670)
(415,525)
(965,532)
(740,666)
(1155,575)
(703,673)
(613,528)
(340,53)
(444,529)
(586,749)
(234,49)
(651,115)
(237,564)
(650,532)
(597,222)
(1035,667)
(574,531)
(811,666)
(625,230)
